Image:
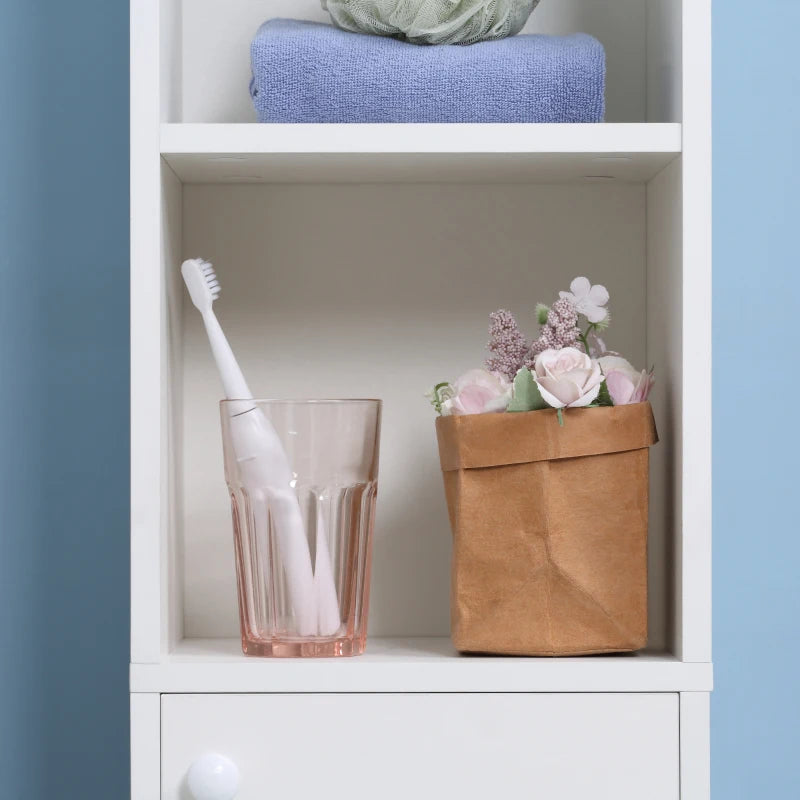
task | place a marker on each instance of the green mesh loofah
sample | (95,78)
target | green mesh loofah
(432,21)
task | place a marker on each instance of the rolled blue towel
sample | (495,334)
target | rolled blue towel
(311,72)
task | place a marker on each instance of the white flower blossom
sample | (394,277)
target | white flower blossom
(588,300)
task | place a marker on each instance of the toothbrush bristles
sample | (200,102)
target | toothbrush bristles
(211,279)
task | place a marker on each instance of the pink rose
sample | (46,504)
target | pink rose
(626,385)
(567,378)
(477,392)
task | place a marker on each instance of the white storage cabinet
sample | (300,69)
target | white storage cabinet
(363,260)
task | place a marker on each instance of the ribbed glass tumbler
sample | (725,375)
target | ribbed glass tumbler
(303,478)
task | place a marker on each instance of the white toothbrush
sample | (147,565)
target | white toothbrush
(264,468)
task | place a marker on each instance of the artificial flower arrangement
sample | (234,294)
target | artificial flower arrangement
(549,520)
(565,367)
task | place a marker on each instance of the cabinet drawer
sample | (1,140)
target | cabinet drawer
(471,746)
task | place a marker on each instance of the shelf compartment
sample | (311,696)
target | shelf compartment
(204,64)
(393,284)
(231,153)
(424,664)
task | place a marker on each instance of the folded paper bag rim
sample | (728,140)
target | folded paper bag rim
(474,441)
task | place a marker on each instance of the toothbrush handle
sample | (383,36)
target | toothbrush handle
(328,614)
(265,468)
(265,473)
(233,381)
(293,549)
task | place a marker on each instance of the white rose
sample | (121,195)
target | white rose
(626,384)
(567,378)
(478,392)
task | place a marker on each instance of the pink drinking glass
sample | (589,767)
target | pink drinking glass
(304,541)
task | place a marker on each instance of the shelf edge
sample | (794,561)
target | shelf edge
(255,138)
(405,677)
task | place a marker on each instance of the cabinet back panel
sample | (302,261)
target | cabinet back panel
(380,291)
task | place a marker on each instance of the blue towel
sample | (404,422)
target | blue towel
(310,72)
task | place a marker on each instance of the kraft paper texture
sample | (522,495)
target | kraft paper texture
(549,529)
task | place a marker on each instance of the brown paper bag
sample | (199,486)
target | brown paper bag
(549,529)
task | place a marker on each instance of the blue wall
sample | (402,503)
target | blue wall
(756,705)
(64,395)
(63,399)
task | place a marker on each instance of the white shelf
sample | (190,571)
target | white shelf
(411,665)
(498,153)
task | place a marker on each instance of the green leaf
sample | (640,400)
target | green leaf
(604,397)
(526,396)
(541,313)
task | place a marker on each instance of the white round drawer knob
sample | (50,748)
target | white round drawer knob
(213,777)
